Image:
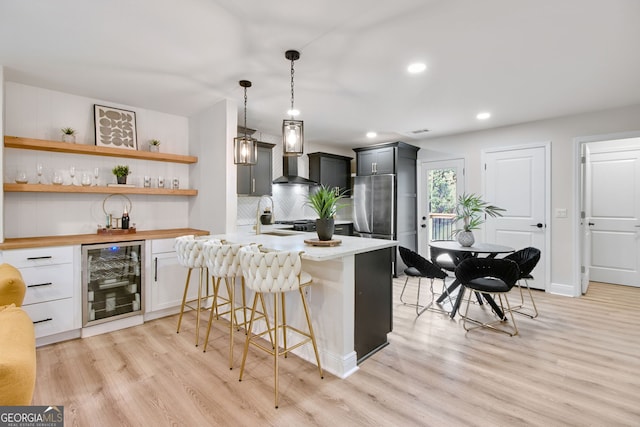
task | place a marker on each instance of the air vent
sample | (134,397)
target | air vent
(419,131)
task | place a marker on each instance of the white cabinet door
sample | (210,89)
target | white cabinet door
(167,281)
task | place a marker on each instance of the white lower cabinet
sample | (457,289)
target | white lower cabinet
(166,280)
(51,275)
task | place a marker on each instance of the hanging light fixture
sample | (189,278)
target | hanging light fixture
(292,130)
(245,148)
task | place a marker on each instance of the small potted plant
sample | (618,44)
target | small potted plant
(121,172)
(325,202)
(68,135)
(154,145)
(471,210)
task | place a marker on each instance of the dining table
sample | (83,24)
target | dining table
(488,250)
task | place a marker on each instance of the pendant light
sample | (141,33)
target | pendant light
(292,130)
(245,148)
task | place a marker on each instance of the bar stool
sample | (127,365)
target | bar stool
(223,263)
(275,273)
(190,255)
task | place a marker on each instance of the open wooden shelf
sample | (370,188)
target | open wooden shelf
(65,147)
(50,188)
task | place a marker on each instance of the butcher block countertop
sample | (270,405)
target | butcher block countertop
(83,239)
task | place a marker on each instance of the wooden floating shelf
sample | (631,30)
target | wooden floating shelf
(93,150)
(50,188)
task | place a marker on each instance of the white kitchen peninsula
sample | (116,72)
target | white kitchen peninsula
(350,300)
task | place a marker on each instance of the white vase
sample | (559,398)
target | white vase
(154,148)
(466,239)
(68,138)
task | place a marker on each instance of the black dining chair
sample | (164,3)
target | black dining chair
(490,276)
(527,259)
(420,267)
(448,260)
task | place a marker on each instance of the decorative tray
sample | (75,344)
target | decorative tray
(318,242)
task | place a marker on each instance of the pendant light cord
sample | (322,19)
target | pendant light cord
(292,86)
(245,113)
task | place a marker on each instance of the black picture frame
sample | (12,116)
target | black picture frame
(115,127)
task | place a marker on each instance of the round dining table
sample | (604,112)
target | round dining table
(490,250)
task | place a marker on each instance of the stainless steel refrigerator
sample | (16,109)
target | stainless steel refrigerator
(374,206)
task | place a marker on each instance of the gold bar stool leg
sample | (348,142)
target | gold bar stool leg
(246,341)
(184,299)
(311,333)
(284,324)
(232,316)
(216,285)
(276,350)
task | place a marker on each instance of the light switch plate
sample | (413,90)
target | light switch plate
(561,213)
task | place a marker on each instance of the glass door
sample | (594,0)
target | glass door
(112,281)
(442,182)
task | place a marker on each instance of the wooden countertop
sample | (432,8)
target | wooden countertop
(82,239)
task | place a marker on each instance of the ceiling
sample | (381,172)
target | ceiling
(520,60)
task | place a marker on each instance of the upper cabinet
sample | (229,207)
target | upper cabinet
(331,170)
(256,180)
(375,161)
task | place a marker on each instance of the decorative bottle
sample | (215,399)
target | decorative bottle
(125,220)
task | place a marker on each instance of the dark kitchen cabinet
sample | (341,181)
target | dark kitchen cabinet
(344,229)
(373,302)
(376,161)
(331,170)
(256,180)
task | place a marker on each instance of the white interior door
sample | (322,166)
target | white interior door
(442,183)
(517,181)
(613,212)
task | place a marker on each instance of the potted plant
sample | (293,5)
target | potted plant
(68,135)
(471,209)
(121,172)
(154,145)
(325,202)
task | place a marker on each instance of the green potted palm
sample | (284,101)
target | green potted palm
(325,202)
(471,210)
(121,172)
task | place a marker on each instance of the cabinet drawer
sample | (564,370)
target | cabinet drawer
(51,317)
(49,282)
(21,258)
(162,245)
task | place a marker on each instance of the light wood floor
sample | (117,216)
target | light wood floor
(577,364)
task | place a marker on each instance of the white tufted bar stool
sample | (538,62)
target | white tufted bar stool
(190,255)
(275,273)
(223,263)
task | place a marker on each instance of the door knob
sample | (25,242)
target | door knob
(539,225)
(423,225)
(591,223)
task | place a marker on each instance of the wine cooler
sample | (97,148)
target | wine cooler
(112,281)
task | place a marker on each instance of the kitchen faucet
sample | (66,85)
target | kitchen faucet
(273,217)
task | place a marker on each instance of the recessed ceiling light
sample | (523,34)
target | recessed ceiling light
(371,134)
(416,67)
(483,116)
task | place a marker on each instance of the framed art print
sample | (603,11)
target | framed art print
(115,127)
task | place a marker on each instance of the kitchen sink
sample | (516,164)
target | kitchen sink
(281,233)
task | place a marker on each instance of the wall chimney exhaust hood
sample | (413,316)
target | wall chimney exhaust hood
(290,173)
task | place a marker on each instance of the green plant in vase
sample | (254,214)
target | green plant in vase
(154,145)
(68,134)
(470,209)
(325,202)
(121,172)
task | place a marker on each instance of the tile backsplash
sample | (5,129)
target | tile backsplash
(288,205)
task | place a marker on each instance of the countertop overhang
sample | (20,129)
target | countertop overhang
(294,241)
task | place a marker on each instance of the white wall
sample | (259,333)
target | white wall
(561,133)
(211,132)
(34,112)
